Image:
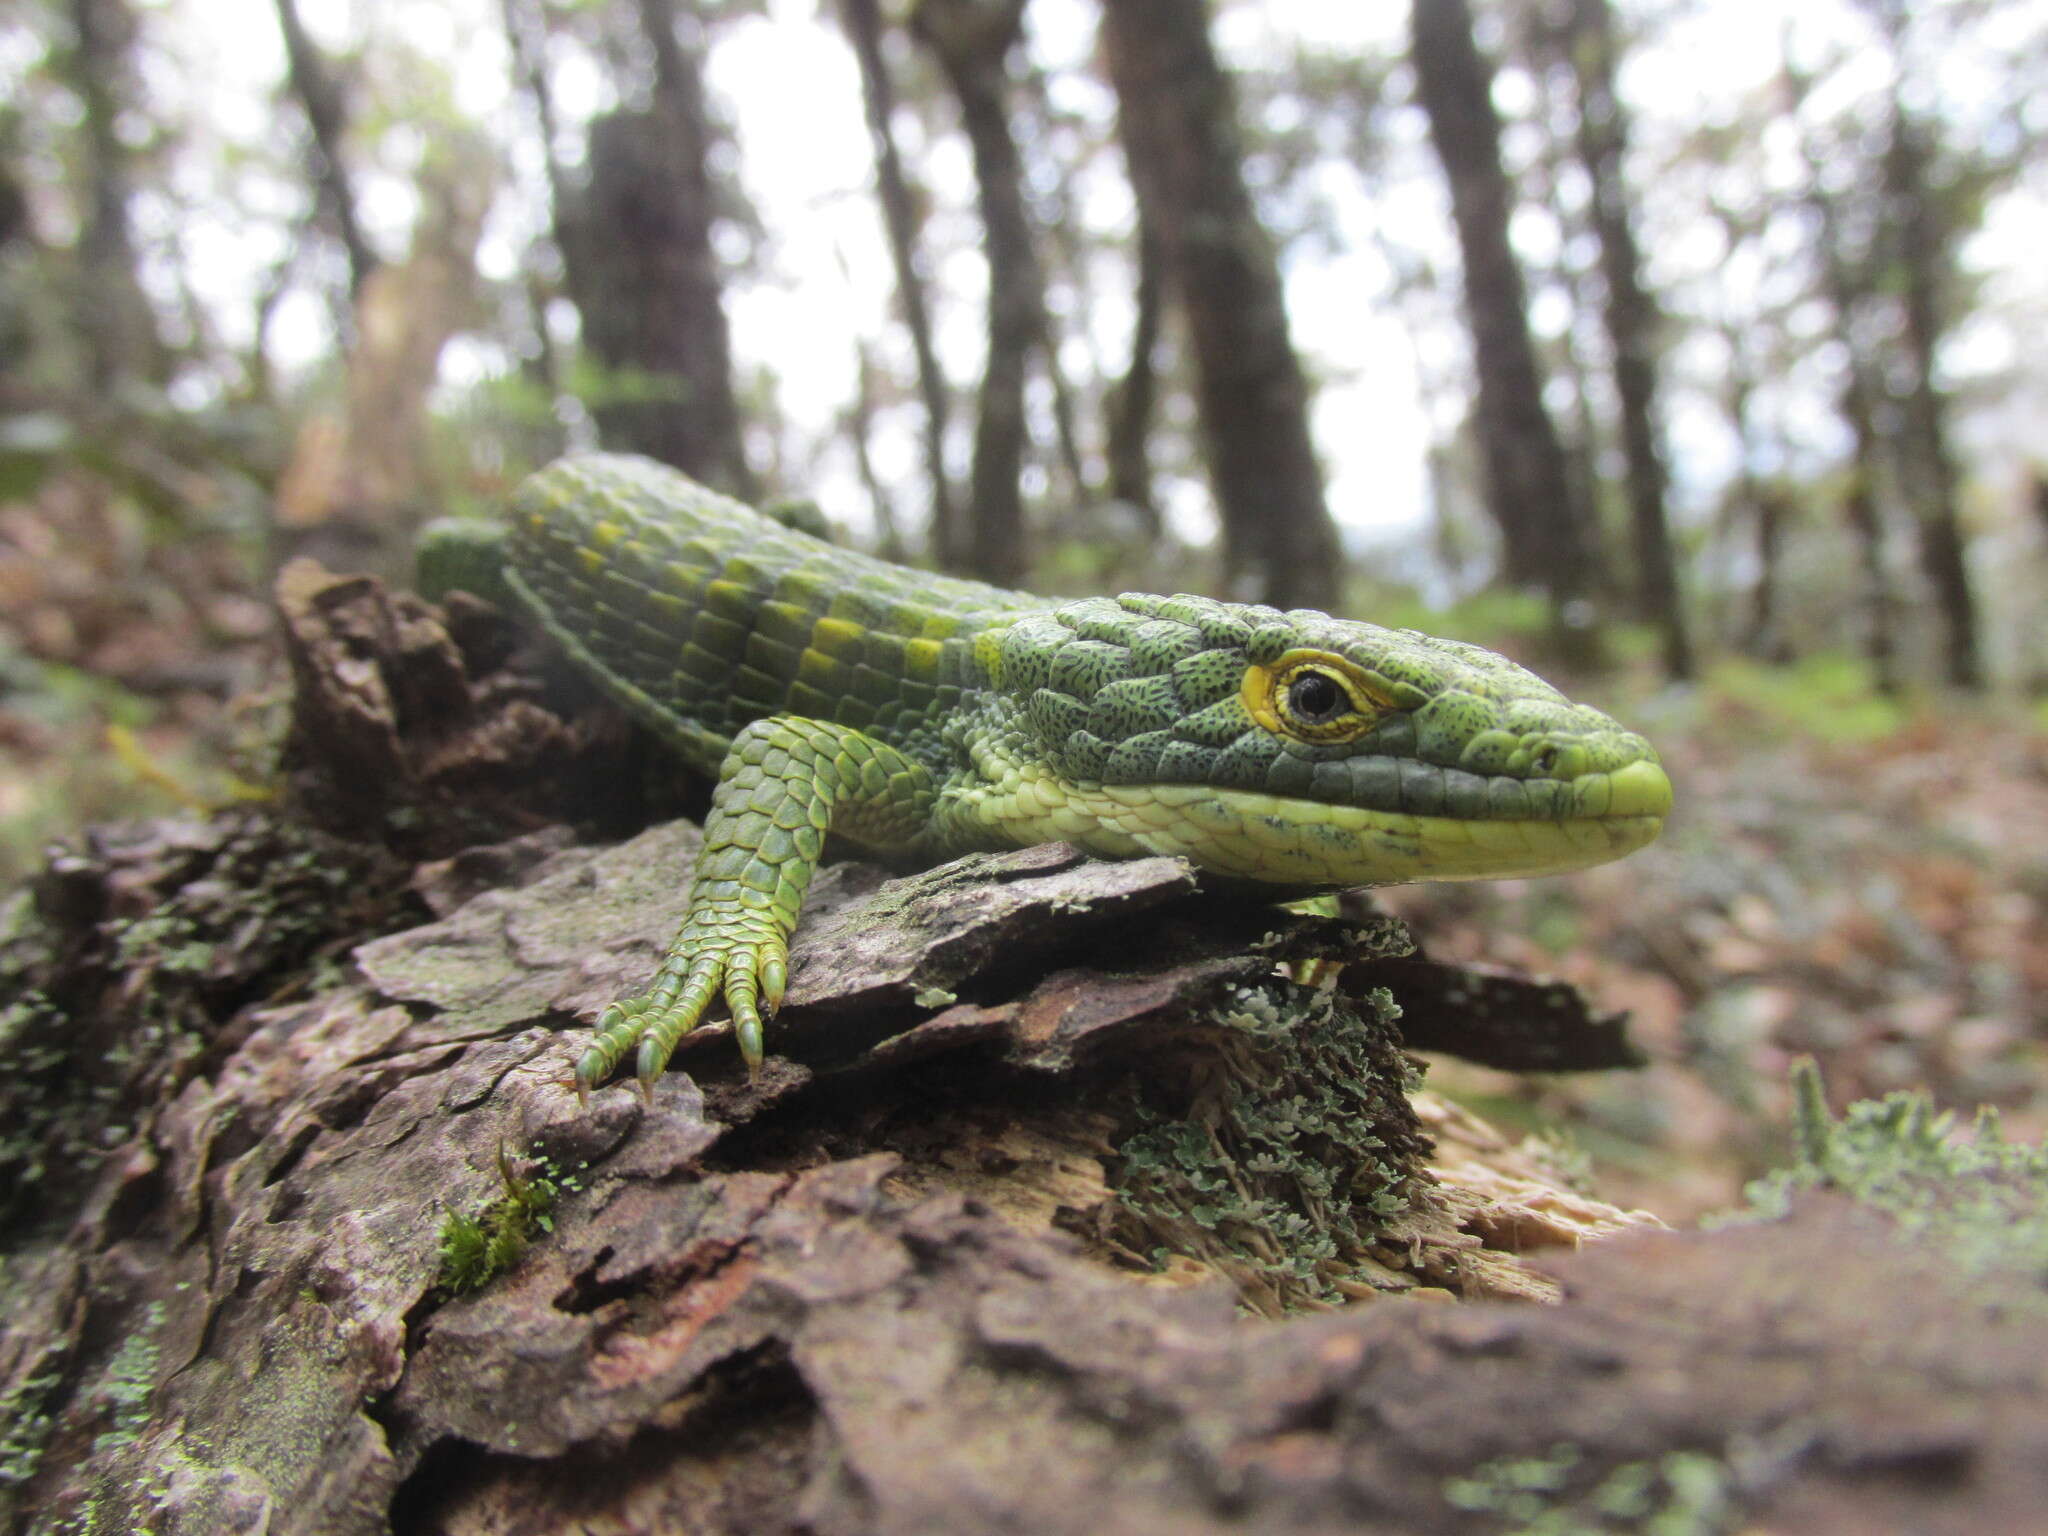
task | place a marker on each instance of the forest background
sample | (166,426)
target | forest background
(1684,350)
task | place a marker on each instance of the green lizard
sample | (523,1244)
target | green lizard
(928,716)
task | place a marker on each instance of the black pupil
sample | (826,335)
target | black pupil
(1315,697)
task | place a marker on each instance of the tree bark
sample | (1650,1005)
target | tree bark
(972,40)
(1528,488)
(863,22)
(637,252)
(1632,323)
(1177,114)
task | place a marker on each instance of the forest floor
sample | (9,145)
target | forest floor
(1847,879)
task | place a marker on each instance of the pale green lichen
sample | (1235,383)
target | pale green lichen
(1279,1175)
(1981,1199)
(1685,1493)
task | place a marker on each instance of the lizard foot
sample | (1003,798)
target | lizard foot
(749,970)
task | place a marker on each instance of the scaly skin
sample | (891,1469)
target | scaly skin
(928,716)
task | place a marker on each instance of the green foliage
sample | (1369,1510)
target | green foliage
(1495,616)
(1683,1494)
(1281,1178)
(476,1249)
(1983,1201)
(1829,696)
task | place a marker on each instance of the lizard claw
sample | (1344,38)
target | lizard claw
(751,973)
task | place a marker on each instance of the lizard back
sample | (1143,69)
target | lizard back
(699,614)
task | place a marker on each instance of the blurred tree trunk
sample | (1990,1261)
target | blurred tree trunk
(972,40)
(526,38)
(1542,42)
(320,98)
(637,252)
(1134,398)
(1866,468)
(1632,322)
(1920,245)
(1528,489)
(121,340)
(1856,397)
(1765,507)
(863,22)
(1177,114)
(860,429)
(1763,638)
(355,475)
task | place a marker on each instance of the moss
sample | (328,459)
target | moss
(476,1249)
(1982,1199)
(1289,1156)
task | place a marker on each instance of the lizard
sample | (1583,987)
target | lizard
(927,716)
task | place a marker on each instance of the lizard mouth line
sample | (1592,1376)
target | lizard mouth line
(1280,838)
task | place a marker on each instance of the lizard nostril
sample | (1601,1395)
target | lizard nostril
(1544,760)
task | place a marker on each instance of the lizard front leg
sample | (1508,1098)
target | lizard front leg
(786,782)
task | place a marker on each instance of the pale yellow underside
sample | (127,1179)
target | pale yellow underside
(1275,838)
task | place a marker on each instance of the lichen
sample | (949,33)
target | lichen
(1292,1153)
(1981,1200)
(1685,1493)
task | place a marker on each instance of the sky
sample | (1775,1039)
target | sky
(829,283)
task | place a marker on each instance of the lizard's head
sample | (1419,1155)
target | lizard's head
(1302,749)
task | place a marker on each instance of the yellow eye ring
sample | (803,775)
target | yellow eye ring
(1279,694)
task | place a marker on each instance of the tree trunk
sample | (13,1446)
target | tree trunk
(320,99)
(860,428)
(863,22)
(1927,466)
(1134,397)
(114,316)
(1528,487)
(1860,506)
(1178,117)
(1631,320)
(637,252)
(972,40)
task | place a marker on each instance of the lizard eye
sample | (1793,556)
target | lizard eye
(1316,697)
